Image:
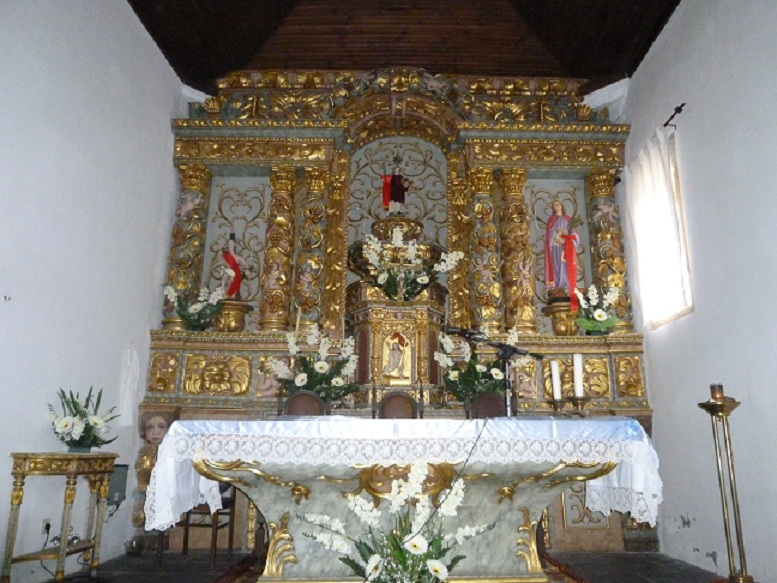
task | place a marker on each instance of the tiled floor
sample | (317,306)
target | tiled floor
(592,567)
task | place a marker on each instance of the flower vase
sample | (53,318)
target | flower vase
(79,449)
(597,332)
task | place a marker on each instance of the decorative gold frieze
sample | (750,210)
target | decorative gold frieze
(596,377)
(541,153)
(229,150)
(164,372)
(628,376)
(216,374)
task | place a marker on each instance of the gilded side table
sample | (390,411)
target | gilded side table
(96,468)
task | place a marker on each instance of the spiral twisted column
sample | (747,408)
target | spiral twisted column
(275,304)
(185,261)
(517,255)
(458,310)
(336,250)
(484,267)
(309,262)
(608,260)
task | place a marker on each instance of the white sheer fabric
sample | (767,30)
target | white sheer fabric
(634,486)
(655,214)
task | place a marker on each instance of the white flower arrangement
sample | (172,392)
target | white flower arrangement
(414,548)
(80,424)
(199,313)
(595,311)
(324,374)
(403,281)
(468,377)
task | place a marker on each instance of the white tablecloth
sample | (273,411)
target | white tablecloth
(634,486)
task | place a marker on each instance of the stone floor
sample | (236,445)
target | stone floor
(590,567)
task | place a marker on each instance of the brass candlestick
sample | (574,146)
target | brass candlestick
(719,408)
(557,404)
(579,404)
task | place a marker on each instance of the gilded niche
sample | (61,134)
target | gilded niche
(217,375)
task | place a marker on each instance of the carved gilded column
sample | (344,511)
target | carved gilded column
(275,304)
(336,251)
(484,268)
(608,260)
(309,262)
(184,265)
(516,252)
(458,311)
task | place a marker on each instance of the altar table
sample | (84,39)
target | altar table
(513,468)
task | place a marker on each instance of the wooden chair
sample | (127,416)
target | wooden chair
(491,404)
(201,517)
(397,405)
(304,402)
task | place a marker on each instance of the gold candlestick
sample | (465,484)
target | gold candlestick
(719,408)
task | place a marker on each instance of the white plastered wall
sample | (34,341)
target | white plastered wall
(718,57)
(87,191)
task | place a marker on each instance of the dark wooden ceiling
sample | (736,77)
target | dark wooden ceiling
(599,40)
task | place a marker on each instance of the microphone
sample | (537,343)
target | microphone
(507,351)
(474,335)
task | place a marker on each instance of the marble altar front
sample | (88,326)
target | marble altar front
(513,468)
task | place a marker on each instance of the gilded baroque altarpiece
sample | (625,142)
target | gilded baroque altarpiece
(291,164)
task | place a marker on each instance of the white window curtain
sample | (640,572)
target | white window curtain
(654,210)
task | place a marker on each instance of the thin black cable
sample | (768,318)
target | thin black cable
(455,478)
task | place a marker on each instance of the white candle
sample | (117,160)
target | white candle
(296,327)
(577,367)
(555,378)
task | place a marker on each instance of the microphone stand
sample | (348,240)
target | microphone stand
(504,352)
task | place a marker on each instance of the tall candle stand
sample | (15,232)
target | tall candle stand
(719,408)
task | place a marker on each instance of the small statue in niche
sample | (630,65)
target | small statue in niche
(232,273)
(561,242)
(394,189)
(395,363)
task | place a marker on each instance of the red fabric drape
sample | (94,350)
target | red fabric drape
(386,190)
(234,286)
(569,257)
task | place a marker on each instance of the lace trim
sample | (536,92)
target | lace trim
(302,450)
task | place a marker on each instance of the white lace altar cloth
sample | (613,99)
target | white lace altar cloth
(633,486)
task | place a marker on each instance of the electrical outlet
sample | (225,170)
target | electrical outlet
(45,526)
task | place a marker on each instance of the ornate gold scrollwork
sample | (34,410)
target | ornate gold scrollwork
(164,372)
(280,551)
(217,374)
(628,376)
(556,153)
(376,480)
(508,492)
(211,469)
(527,543)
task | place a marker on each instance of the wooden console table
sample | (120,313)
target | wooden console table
(96,468)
